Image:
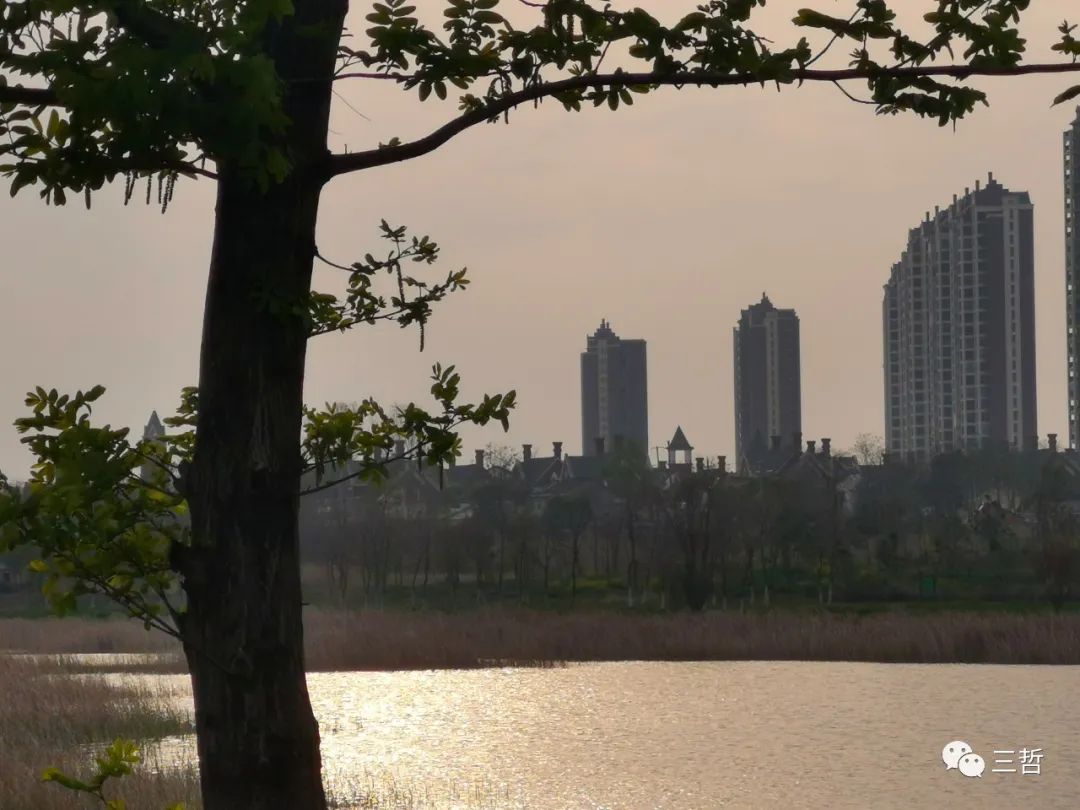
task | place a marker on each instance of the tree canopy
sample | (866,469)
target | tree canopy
(138,89)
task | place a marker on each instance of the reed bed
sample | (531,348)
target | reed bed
(77,635)
(374,640)
(390,641)
(50,718)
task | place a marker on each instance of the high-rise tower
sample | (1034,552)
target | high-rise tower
(1072,275)
(614,392)
(959,329)
(768,391)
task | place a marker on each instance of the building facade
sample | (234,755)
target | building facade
(614,392)
(768,389)
(1072,270)
(958,320)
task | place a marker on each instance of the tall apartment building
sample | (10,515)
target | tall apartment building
(959,329)
(1072,269)
(614,392)
(768,392)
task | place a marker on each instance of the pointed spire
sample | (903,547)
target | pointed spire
(154,428)
(679,441)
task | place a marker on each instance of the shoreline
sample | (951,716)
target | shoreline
(393,641)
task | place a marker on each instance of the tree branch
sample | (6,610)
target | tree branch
(356,161)
(33,96)
(158,30)
(386,462)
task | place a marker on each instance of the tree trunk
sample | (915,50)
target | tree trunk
(427,561)
(574,567)
(258,740)
(632,566)
(502,555)
(595,551)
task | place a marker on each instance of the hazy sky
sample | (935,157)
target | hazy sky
(666,218)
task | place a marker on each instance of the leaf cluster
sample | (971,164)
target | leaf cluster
(479,44)
(116,761)
(367,434)
(138,89)
(981,34)
(409,304)
(100,510)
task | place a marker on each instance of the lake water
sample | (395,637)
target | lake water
(704,735)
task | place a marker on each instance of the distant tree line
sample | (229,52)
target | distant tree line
(977,526)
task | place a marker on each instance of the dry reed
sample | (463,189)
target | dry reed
(388,641)
(374,640)
(82,636)
(49,718)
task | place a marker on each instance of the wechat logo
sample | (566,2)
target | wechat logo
(958,755)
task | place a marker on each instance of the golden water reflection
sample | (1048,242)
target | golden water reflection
(701,735)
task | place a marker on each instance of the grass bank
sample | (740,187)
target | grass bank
(372,640)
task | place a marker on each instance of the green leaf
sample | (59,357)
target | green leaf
(1068,95)
(55,775)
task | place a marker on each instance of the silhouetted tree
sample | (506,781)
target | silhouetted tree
(569,516)
(240,93)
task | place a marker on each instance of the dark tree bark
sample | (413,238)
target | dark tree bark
(243,637)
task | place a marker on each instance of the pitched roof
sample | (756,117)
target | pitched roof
(840,467)
(766,461)
(465,475)
(538,472)
(585,468)
(678,441)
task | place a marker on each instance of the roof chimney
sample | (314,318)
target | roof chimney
(526,453)
(991,176)
(976,185)
(480,459)
(700,464)
(721,463)
(826,447)
(599,445)
(774,442)
(1051,439)
(556,450)
(810,446)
